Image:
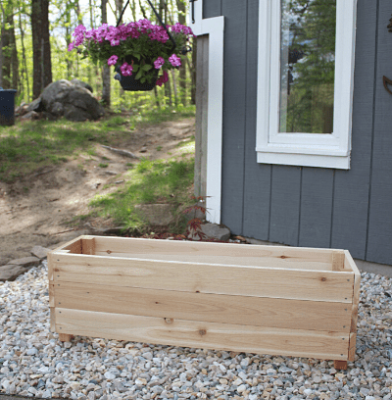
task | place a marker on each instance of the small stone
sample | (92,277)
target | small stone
(143,149)
(241,388)
(31,352)
(109,375)
(141,381)
(26,262)
(39,252)
(218,232)
(118,182)
(10,272)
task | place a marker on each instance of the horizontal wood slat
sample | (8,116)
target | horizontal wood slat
(286,342)
(245,310)
(278,256)
(204,278)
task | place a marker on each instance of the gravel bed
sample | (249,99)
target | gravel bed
(33,362)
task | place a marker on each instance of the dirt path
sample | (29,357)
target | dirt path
(35,210)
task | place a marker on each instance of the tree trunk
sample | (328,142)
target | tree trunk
(182,20)
(106,69)
(133,8)
(7,51)
(68,41)
(24,69)
(14,58)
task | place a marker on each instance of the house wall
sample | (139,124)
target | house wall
(310,207)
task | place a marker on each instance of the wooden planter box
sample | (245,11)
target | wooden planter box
(246,298)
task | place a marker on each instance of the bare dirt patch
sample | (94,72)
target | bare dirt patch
(37,209)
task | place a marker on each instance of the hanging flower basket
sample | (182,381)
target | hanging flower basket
(139,51)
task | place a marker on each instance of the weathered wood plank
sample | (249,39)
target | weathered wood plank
(201,116)
(205,278)
(299,343)
(242,310)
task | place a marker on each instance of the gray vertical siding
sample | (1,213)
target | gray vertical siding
(310,207)
(379,244)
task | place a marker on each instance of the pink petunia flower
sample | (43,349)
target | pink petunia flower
(79,30)
(114,42)
(126,69)
(112,60)
(159,62)
(71,46)
(163,78)
(175,60)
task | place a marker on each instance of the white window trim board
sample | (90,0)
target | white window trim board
(304,149)
(214,27)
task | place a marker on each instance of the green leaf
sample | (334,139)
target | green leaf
(136,55)
(135,67)
(147,67)
(139,74)
(142,80)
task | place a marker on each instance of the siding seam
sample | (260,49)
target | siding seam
(270,205)
(332,207)
(245,120)
(300,206)
(373,125)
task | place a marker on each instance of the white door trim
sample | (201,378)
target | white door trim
(214,27)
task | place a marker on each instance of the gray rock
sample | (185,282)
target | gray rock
(10,272)
(26,262)
(85,85)
(39,252)
(36,105)
(74,102)
(215,231)
(32,115)
(157,214)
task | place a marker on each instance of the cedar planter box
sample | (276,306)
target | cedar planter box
(246,298)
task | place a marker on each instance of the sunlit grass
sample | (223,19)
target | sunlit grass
(31,145)
(148,182)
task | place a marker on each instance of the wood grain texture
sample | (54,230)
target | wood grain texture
(316,207)
(356,291)
(88,246)
(52,319)
(340,365)
(285,204)
(205,278)
(352,346)
(200,180)
(64,337)
(276,256)
(243,310)
(299,343)
(74,245)
(338,260)
(379,247)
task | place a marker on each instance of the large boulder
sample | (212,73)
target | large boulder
(75,103)
(85,85)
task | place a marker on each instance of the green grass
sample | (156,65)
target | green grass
(149,181)
(29,146)
(102,165)
(159,148)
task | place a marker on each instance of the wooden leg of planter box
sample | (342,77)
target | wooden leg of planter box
(64,337)
(340,365)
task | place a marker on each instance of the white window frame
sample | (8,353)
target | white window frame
(304,149)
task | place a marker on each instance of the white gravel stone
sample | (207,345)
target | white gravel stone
(33,362)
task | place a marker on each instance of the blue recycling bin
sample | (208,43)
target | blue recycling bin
(7,106)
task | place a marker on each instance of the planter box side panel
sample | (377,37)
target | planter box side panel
(250,339)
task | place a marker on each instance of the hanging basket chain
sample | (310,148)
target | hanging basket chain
(158,17)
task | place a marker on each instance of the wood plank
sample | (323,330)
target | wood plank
(289,263)
(52,319)
(340,365)
(338,260)
(243,310)
(356,290)
(280,255)
(285,342)
(352,346)
(64,337)
(88,246)
(73,245)
(206,278)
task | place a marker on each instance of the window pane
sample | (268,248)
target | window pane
(307,65)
